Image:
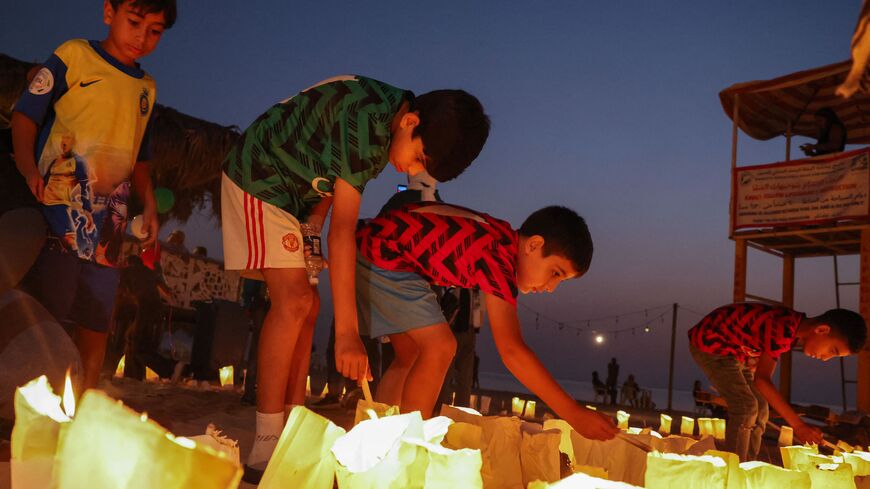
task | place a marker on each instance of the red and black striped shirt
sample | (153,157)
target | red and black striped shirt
(746,330)
(445,244)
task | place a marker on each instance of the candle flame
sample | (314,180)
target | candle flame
(43,400)
(69,397)
(119,371)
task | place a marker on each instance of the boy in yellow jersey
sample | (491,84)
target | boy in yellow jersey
(80,135)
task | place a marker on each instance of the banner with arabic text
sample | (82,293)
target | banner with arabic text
(812,191)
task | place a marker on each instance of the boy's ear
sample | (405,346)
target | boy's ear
(822,329)
(409,120)
(534,243)
(108,12)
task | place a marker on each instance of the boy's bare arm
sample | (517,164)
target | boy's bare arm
(145,191)
(23,142)
(522,362)
(350,354)
(763,373)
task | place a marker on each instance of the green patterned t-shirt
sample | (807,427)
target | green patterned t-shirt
(291,156)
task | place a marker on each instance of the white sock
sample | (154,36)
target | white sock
(269,427)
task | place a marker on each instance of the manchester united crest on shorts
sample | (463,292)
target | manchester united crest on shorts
(290,242)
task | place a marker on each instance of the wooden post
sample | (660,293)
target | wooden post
(788,301)
(673,343)
(740,250)
(863,395)
(735,119)
(788,141)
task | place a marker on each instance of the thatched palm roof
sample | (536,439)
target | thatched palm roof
(187,151)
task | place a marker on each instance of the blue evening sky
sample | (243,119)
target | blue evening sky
(610,108)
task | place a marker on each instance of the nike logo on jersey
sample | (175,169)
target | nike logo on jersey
(83,84)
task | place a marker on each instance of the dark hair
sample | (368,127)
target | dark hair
(565,234)
(453,128)
(847,324)
(170,13)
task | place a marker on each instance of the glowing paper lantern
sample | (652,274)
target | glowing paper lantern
(109,445)
(797,455)
(539,453)
(530,409)
(622,419)
(830,476)
(517,406)
(303,457)
(463,435)
(665,424)
(151,376)
(860,462)
(669,470)
(565,444)
(719,428)
(786,436)
(119,370)
(705,427)
(687,426)
(226,376)
(164,199)
(38,422)
(735,479)
(760,475)
(501,452)
(582,481)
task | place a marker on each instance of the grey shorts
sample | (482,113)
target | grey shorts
(391,302)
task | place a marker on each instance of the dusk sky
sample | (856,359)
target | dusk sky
(610,108)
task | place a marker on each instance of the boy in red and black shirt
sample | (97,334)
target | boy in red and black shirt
(737,346)
(403,252)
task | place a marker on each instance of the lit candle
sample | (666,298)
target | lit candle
(517,406)
(39,419)
(226,375)
(307,386)
(687,426)
(622,419)
(665,424)
(530,409)
(110,445)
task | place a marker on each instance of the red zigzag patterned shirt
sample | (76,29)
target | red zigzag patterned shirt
(746,330)
(445,244)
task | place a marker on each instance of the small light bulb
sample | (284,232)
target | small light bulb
(599,339)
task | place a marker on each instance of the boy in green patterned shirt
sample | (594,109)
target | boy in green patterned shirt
(311,152)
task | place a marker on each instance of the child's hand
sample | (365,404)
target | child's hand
(808,434)
(351,358)
(35,183)
(592,424)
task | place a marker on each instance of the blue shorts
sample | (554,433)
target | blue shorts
(73,290)
(393,302)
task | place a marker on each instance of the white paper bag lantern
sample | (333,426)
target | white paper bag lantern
(687,426)
(665,424)
(622,419)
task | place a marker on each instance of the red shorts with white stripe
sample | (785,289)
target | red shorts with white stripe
(257,234)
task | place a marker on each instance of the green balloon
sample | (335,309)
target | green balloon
(165,199)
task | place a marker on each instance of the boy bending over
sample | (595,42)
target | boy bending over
(316,150)
(737,346)
(405,251)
